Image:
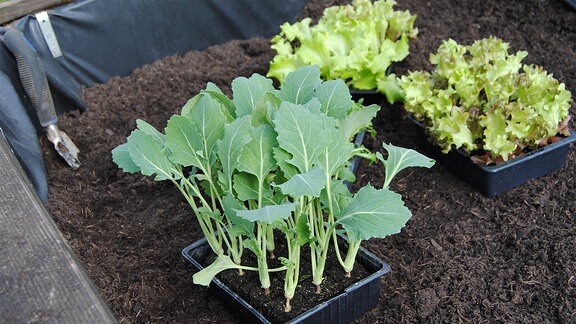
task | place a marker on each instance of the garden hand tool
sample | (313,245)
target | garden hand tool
(33,78)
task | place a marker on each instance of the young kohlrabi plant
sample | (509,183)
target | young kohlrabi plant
(357,43)
(273,162)
(481,98)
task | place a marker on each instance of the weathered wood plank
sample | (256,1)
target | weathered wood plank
(40,278)
(14,9)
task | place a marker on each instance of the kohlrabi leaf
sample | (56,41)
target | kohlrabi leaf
(150,156)
(337,152)
(272,100)
(248,91)
(240,226)
(213,214)
(229,110)
(358,120)
(184,142)
(209,121)
(338,191)
(374,213)
(268,214)
(192,138)
(224,101)
(314,106)
(303,231)
(236,136)
(150,130)
(299,134)
(205,276)
(281,157)
(299,86)
(347,175)
(400,158)
(246,187)
(261,113)
(121,156)
(191,103)
(335,98)
(257,157)
(305,184)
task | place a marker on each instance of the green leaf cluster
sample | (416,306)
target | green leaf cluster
(268,161)
(479,97)
(357,43)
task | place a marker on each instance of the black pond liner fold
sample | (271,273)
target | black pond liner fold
(571,3)
(492,180)
(19,132)
(356,300)
(101,39)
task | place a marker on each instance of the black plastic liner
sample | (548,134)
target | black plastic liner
(100,39)
(19,132)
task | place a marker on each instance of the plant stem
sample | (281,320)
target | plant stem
(292,271)
(323,234)
(353,247)
(288,307)
(315,247)
(236,250)
(318,271)
(270,246)
(206,227)
(337,248)
(261,257)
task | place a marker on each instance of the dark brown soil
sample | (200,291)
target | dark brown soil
(462,257)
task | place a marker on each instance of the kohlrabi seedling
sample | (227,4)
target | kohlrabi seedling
(273,162)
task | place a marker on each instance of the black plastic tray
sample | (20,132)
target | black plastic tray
(353,302)
(494,180)
(370,97)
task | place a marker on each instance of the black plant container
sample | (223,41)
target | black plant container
(369,97)
(494,180)
(356,300)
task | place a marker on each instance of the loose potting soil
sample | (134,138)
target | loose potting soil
(461,258)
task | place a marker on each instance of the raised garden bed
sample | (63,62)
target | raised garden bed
(462,257)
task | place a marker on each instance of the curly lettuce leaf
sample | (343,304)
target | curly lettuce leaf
(481,97)
(357,43)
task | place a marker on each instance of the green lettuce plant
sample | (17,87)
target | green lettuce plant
(357,43)
(270,163)
(484,100)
